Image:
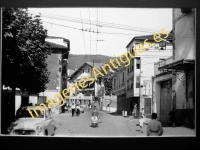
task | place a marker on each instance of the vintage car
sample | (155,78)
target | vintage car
(41,125)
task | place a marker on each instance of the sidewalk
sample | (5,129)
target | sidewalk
(133,124)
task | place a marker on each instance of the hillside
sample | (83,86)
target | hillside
(75,61)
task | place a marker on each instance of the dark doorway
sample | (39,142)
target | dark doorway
(25,101)
(147,106)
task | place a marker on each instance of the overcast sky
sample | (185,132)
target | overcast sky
(114,39)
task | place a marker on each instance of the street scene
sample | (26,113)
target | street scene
(112,125)
(98,72)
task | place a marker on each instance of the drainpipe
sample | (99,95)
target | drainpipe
(173,33)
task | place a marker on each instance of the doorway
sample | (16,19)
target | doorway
(165,101)
(147,106)
(25,101)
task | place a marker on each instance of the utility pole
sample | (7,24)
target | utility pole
(0,64)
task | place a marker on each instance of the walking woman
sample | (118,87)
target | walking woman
(134,110)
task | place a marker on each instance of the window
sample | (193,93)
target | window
(132,83)
(88,69)
(123,77)
(138,82)
(162,45)
(114,82)
(132,65)
(137,46)
(137,63)
(132,50)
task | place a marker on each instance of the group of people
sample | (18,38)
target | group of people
(75,108)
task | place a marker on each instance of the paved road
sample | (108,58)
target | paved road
(81,125)
(111,126)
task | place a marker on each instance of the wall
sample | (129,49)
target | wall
(180,91)
(185,49)
(184,35)
(57,41)
(33,100)
(190,87)
(53,62)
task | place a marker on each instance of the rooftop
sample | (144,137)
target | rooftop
(149,37)
(96,65)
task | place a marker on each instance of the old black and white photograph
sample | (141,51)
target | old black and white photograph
(98,72)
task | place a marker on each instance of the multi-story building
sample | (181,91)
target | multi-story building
(84,95)
(57,66)
(173,83)
(133,85)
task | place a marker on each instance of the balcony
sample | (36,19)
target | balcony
(160,64)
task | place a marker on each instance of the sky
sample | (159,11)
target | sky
(111,24)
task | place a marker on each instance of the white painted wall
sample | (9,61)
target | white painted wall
(17,102)
(33,100)
(57,41)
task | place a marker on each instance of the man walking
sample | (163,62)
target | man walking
(154,126)
(73,109)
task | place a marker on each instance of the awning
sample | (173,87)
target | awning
(183,64)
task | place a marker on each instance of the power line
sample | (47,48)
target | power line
(97,32)
(91,31)
(83,38)
(105,24)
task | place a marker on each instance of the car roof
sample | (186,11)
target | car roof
(32,107)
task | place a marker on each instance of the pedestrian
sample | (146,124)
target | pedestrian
(134,110)
(66,109)
(19,112)
(154,126)
(141,123)
(77,109)
(73,109)
(96,113)
(108,106)
(142,112)
(172,115)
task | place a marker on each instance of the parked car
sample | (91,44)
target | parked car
(82,109)
(42,125)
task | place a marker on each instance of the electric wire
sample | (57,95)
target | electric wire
(97,33)
(90,30)
(83,37)
(105,24)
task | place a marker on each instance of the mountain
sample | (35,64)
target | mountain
(75,61)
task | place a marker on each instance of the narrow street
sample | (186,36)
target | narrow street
(81,125)
(111,126)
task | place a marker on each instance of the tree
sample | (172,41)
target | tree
(24,51)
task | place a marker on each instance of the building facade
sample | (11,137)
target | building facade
(134,84)
(83,96)
(173,83)
(57,66)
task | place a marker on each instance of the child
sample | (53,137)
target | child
(142,112)
(141,122)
